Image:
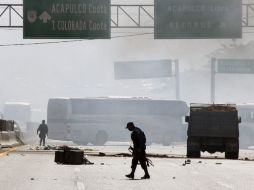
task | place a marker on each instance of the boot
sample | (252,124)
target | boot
(146,176)
(131,175)
(133,169)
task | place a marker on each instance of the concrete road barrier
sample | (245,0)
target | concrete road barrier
(5,136)
(12,135)
(8,139)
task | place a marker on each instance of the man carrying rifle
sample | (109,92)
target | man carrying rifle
(138,150)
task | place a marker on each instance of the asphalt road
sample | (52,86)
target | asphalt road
(37,171)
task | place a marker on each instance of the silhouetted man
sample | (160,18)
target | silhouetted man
(138,150)
(43,129)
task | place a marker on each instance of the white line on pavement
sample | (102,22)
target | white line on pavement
(80,185)
(224,185)
(79,179)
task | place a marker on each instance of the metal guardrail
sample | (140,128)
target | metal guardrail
(247,15)
(8,12)
(122,16)
(136,16)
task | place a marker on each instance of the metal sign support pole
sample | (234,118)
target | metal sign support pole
(177,83)
(213,61)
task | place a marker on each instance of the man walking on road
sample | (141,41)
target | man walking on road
(43,129)
(138,150)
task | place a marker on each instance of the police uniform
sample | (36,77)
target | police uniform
(139,147)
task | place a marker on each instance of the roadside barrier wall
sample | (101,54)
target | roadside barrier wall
(6,125)
(8,138)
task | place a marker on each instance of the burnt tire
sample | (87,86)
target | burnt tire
(232,148)
(193,154)
(193,148)
(100,138)
(231,155)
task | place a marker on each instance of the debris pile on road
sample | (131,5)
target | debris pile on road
(48,147)
(102,154)
(216,108)
(70,155)
(56,147)
(186,162)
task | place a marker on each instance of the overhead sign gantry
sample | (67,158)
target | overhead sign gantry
(137,16)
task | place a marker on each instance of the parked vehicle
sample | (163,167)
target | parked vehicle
(97,120)
(246,112)
(212,128)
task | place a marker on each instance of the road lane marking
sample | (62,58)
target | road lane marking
(173,164)
(77,170)
(79,179)
(195,173)
(224,185)
(8,151)
(80,185)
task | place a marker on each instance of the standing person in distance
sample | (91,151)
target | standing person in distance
(43,131)
(138,150)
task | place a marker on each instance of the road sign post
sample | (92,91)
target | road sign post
(88,19)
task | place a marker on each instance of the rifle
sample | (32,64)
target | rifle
(147,160)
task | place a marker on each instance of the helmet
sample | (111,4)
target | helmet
(130,125)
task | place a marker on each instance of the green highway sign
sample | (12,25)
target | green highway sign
(68,19)
(240,66)
(197,19)
(143,69)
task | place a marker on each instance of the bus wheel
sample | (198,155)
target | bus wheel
(101,137)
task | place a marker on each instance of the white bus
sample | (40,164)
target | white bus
(19,111)
(97,120)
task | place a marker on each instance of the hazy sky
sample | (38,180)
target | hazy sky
(35,73)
